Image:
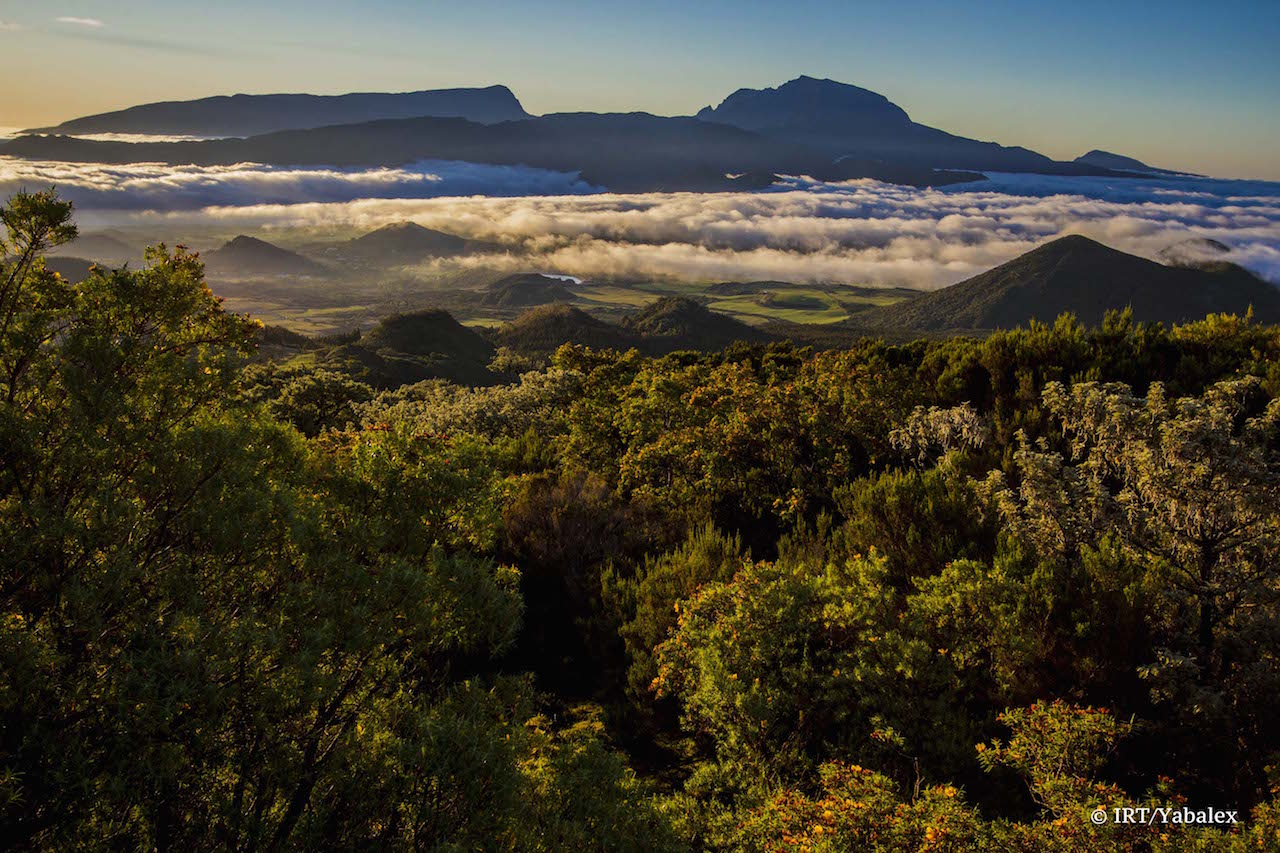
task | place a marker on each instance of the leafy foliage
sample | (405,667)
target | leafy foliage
(945,595)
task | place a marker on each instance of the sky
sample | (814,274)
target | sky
(1181,84)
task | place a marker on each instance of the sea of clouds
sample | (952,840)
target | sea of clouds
(800,230)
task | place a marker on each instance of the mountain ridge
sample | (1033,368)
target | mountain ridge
(252,115)
(820,128)
(849,121)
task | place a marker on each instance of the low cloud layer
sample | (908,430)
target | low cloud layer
(857,232)
(157,186)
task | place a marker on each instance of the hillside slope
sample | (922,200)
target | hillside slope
(411,347)
(527,289)
(542,330)
(1077,275)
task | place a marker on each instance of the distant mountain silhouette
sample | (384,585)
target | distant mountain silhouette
(102,247)
(1107,160)
(848,121)
(251,256)
(251,115)
(527,289)
(1075,274)
(820,128)
(631,152)
(403,243)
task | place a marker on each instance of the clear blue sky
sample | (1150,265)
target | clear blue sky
(1183,84)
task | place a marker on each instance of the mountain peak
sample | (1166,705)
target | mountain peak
(405,241)
(245,255)
(244,241)
(1071,243)
(1108,160)
(807,102)
(1076,275)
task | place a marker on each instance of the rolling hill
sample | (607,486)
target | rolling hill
(670,324)
(677,322)
(527,289)
(1078,275)
(251,115)
(542,330)
(246,256)
(428,332)
(411,347)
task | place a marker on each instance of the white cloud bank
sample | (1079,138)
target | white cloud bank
(157,186)
(857,232)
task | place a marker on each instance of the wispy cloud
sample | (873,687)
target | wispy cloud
(108,36)
(9,26)
(92,23)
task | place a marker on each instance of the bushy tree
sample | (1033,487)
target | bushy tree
(787,664)
(216,634)
(311,398)
(1189,489)
(648,603)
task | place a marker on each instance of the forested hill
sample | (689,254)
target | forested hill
(1082,277)
(946,595)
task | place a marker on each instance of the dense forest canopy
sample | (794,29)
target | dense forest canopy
(943,595)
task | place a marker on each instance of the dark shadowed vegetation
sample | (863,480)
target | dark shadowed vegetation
(411,591)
